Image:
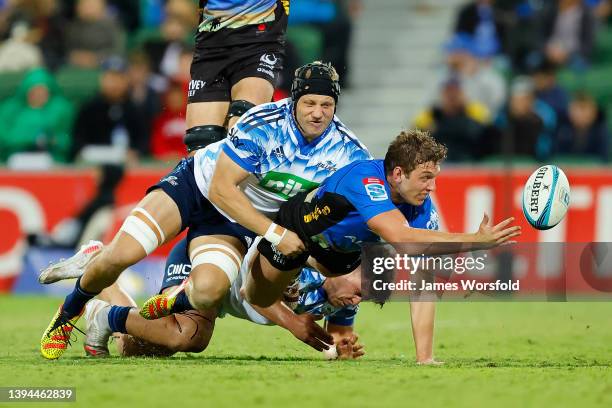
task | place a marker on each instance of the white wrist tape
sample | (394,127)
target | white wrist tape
(272,237)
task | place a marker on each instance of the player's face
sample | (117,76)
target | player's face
(344,290)
(415,188)
(313,114)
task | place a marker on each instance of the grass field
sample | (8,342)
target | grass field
(496,354)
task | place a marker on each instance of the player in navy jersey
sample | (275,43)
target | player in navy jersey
(226,195)
(308,298)
(363,202)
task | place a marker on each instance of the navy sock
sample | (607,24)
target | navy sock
(117,317)
(75,301)
(182,304)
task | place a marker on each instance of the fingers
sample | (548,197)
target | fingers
(316,344)
(322,334)
(503,224)
(485,220)
(506,234)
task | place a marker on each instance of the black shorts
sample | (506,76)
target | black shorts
(291,216)
(214,71)
(197,213)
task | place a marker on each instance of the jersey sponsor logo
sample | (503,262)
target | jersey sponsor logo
(434,221)
(171,180)
(179,269)
(286,185)
(375,188)
(194,86)
(327,165)
(267,64)
(316,213)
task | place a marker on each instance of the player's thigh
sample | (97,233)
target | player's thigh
(206,113)
(253,89)
(215,261)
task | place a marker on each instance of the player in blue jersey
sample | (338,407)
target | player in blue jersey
(367,201)
(225,195)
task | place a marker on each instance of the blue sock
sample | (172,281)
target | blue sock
(182,303)
(75,301)
(117,317)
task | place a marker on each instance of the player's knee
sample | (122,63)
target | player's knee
(207,293)
(238,108)
(198,137)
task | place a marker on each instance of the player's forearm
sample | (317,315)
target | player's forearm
(232,201)
(422,315)
(418,241)
(278,313)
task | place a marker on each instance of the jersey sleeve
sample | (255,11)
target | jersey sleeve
(365,188)
(344,316)
(244,145)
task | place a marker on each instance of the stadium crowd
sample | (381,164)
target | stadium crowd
(81,73)
(525,78)
(530,80)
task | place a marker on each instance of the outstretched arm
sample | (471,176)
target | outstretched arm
(393,227)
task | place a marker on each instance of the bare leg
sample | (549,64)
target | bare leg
(208,282)
(124,250)
(252,89)
(265,284)
(206,113)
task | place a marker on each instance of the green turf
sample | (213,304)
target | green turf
(497,355)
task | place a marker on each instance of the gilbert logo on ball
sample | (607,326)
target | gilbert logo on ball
(546,197)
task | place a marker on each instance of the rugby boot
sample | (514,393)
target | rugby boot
(56,338)
(72,267)
(161,305)
(97,328)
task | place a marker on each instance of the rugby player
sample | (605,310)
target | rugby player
(237,60)
(226,194)
(308,298)
(363,202)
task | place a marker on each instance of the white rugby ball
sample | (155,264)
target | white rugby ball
(546,197)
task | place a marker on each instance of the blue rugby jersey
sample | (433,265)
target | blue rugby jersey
(267,143)
(364,185)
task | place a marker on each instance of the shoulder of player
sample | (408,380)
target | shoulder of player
(349,138)
(264,114)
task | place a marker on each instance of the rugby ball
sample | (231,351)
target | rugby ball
(546,197)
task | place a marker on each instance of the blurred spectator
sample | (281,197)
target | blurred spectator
(520,22)
(110,118)
(585,131)
(16,54)
(164,51)
(477,18)
(92,36)
(527,125)
(36,118)
(44,28)
(170,125)
(145,98)
(548,90)
(458,123)
(334,20)
(569,33)
(92,221)
(479,80)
